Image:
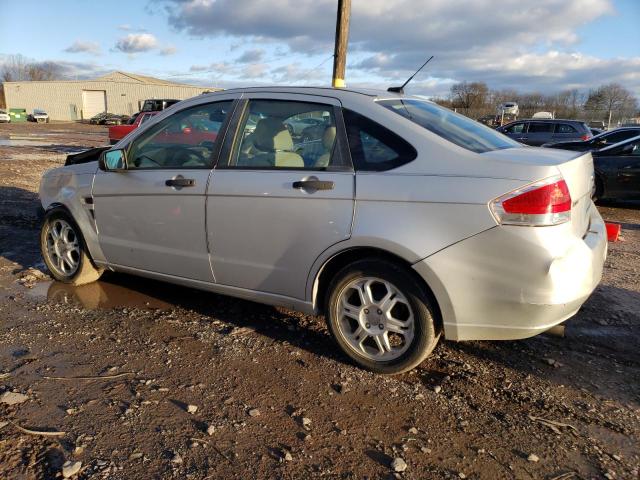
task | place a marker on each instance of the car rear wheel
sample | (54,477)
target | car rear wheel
(381,317)
(64,251)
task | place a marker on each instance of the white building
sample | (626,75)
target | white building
(117,92)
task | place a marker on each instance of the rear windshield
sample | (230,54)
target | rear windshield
(458,129)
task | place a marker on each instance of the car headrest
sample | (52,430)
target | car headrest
(271,135)
(329,137)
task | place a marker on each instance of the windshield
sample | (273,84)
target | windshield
(458,129)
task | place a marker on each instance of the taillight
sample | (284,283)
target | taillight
(585,137)
(547,202)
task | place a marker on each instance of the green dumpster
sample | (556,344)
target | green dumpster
(18,114)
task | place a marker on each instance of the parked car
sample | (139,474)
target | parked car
(297,125)
(602,140)
(118,132)
(543,115)
(596,131)
(510,108)
(414,223)
(4,117)
(538,132)
(617,170)
(113,119)
(105,118)
(39,116)
(157,104)
(489,120)
(599,124)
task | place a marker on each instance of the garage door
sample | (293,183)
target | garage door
(93,102)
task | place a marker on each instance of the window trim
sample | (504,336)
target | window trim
(234,131)
(217,147)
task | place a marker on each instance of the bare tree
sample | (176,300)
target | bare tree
(611,98)
(17,68)
(469,95)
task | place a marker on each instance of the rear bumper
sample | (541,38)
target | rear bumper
(515,282)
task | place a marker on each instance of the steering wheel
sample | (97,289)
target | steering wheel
(140,157)
(180,155)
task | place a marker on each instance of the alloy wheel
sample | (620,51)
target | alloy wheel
(375,319)
(63,248)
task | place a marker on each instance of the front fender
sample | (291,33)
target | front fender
(70,187)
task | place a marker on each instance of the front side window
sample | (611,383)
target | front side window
(455,128)
(516,128)
(186,139)
(374,147)
(286,134)
(616,137)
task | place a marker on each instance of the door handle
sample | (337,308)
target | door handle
(180,182)
(313,185)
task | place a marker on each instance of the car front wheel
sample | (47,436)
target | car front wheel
(64,251)
(381,317)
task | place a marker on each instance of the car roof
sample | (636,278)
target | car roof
(315,90)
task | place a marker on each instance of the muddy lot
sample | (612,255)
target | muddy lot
(133,379)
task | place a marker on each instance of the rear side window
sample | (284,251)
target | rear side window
(374,147)
(539,127)
(565,128)
(455,128)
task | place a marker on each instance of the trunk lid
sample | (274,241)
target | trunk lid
(576,169)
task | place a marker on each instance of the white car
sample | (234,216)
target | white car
(39,116)
(4,117)
(508,108)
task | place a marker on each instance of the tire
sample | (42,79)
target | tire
(68,260)
(405,298)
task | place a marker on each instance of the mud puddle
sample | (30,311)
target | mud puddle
(117,292)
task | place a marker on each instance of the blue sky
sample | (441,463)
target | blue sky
(548,46)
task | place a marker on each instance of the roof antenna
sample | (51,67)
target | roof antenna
(401,89)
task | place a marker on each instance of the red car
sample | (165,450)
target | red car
(118,132)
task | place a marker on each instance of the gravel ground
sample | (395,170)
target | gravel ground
(145,380)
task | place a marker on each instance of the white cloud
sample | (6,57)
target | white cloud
(251,56)
(136,42)
(80,46)
(509,43)
(168,51)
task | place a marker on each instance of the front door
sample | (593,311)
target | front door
(627,172)
(282,196)
(151,216)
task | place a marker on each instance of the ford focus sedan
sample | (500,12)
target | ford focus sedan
(400,221)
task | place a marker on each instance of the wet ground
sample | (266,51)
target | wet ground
(140,379)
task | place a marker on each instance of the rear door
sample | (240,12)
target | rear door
(151,216)
(277,202)
(539,133)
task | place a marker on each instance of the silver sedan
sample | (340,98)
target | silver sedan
(400,221)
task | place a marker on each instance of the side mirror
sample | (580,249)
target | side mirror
(113,161)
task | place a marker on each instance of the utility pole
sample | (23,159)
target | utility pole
(342,39)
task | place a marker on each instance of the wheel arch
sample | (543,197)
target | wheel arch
(344,257)
(89,235)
